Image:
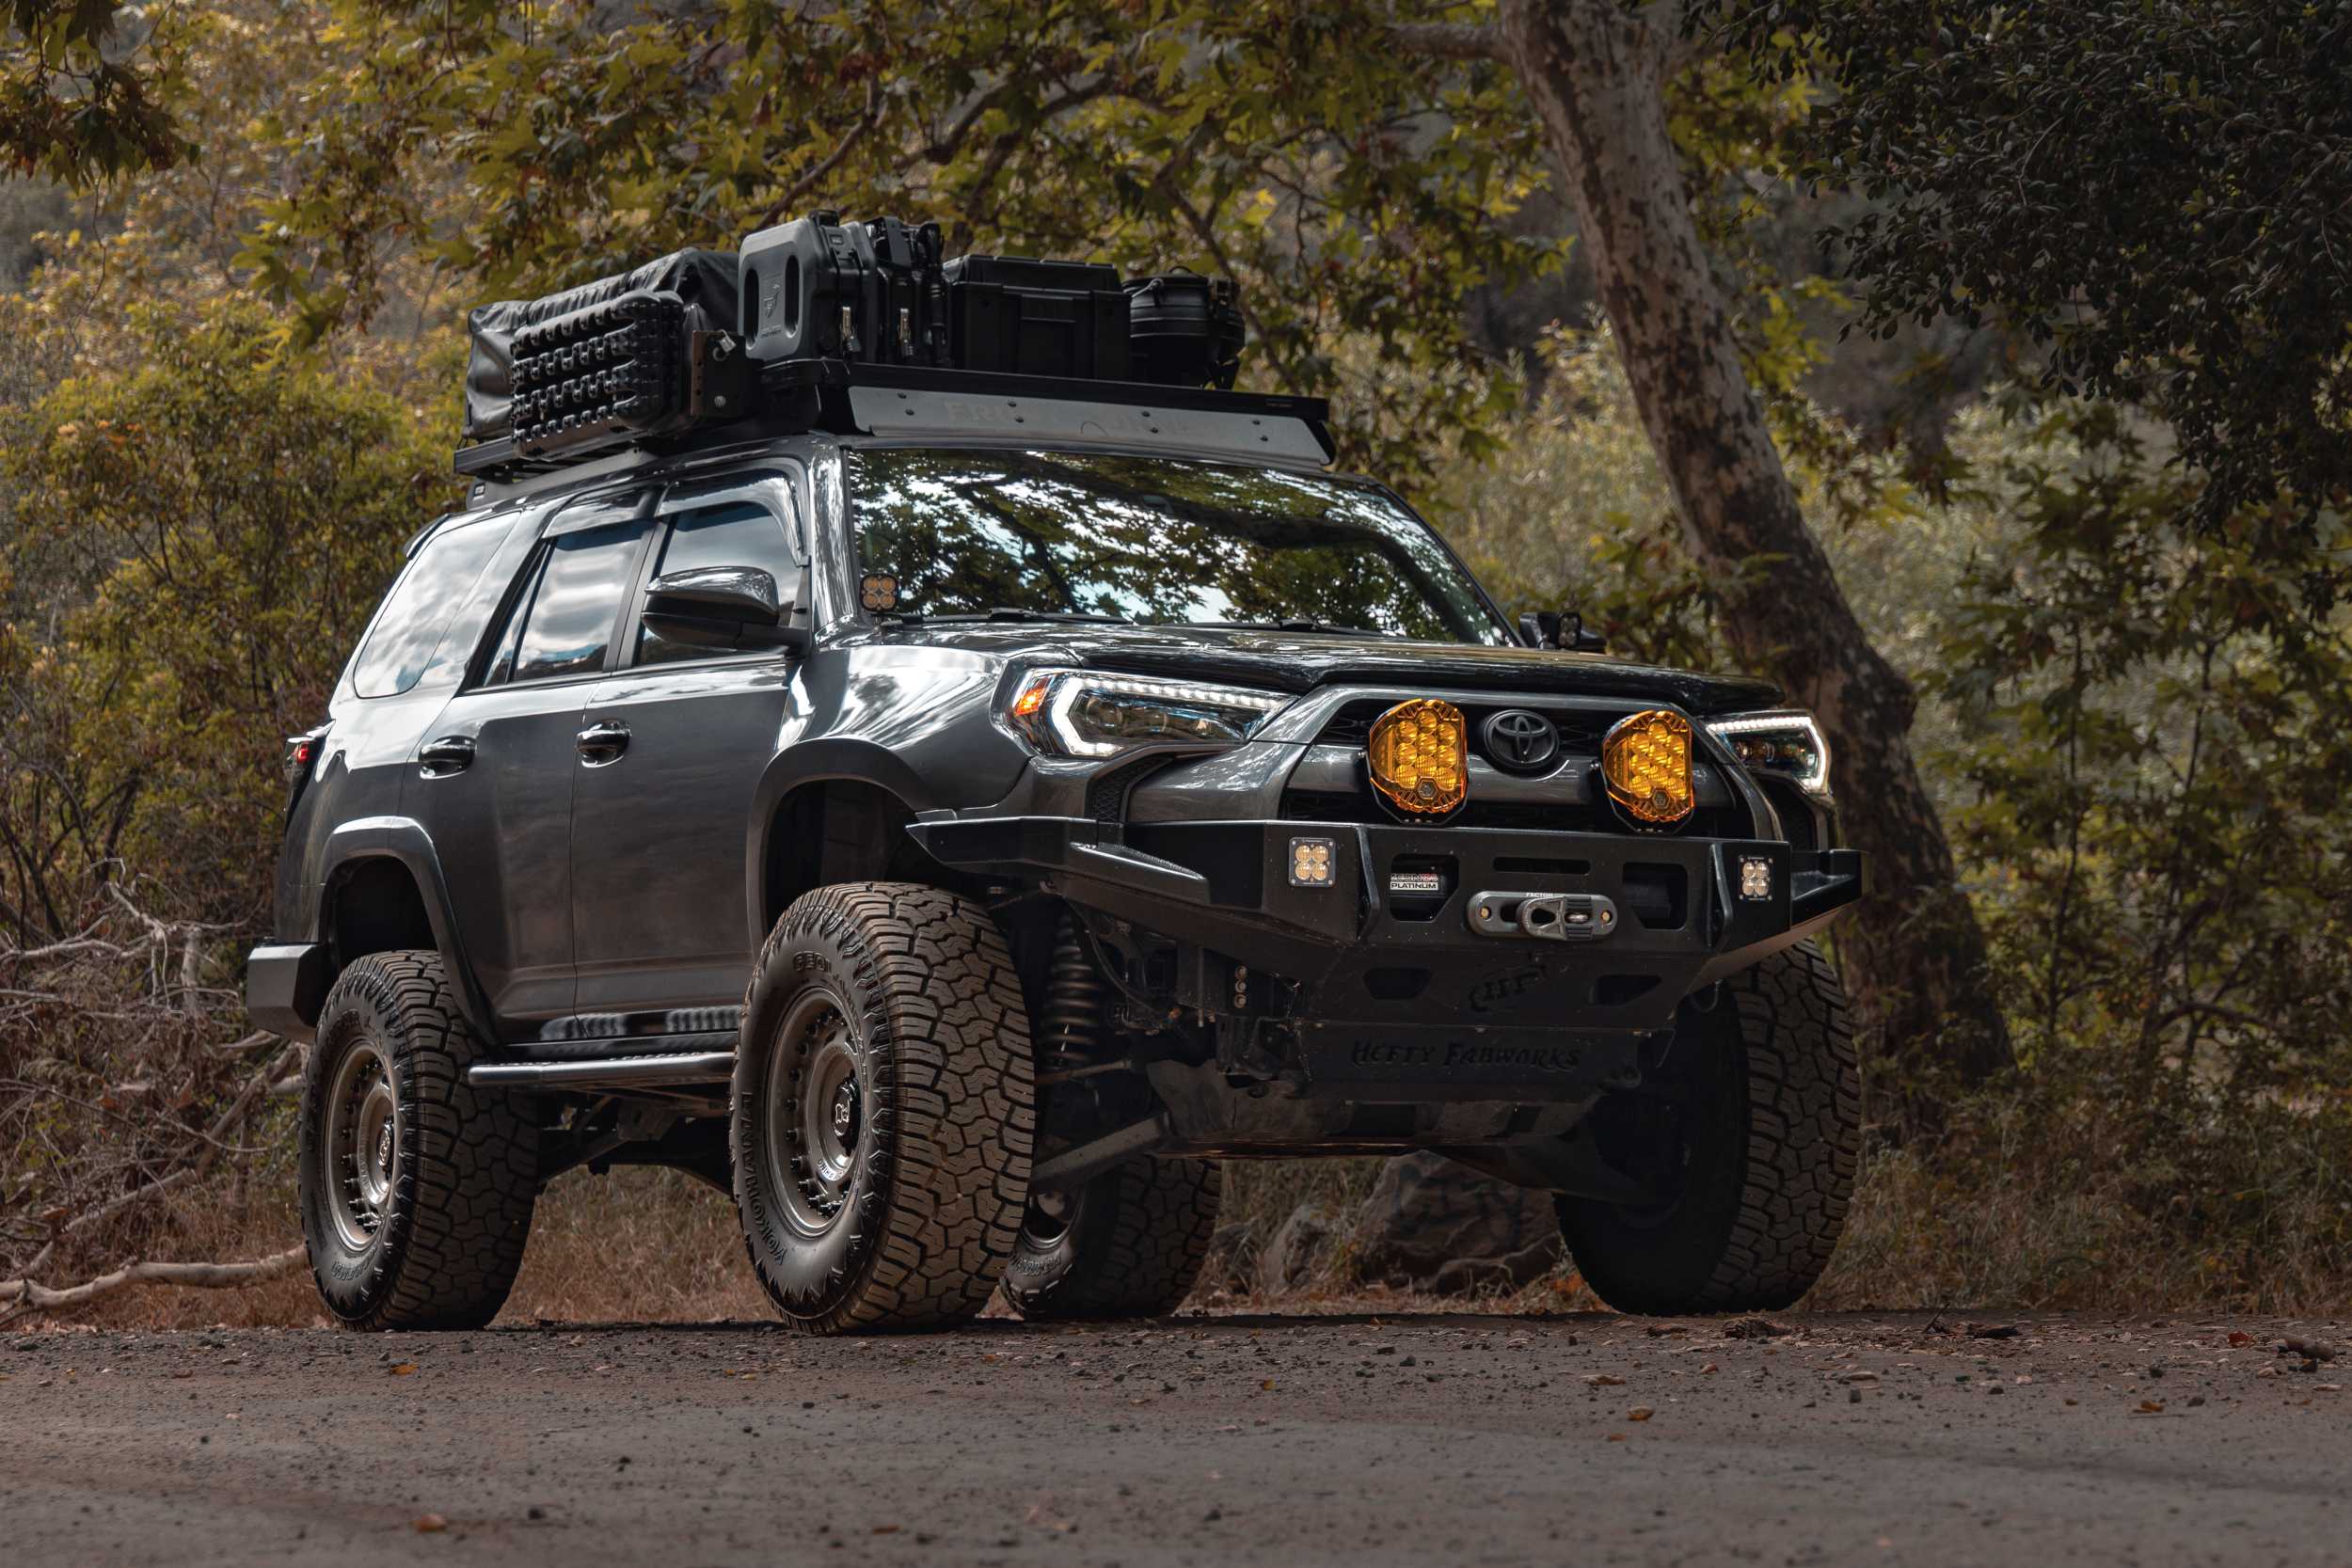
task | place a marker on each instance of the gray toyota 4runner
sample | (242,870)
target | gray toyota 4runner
(949,809)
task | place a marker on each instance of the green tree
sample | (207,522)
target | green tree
(193,543)
(2160,195)
(83,96)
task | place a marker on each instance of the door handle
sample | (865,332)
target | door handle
(445,755)
(603,743)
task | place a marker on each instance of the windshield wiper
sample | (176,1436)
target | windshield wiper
(1015,612)
(1295,624)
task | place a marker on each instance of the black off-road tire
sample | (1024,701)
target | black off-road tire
(908,996)
(428,1233)
(1130,1245)
(1771,1138)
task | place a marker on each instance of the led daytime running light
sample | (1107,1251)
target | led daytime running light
(1083,713)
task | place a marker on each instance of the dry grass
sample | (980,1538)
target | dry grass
(1993,1229)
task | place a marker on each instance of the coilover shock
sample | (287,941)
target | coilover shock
(1071,1024)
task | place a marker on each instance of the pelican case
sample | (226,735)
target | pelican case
(1038,318)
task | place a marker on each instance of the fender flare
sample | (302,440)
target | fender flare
(404,839)
(818,760)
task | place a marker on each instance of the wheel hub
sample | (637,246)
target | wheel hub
(361,1148)
(816,1112)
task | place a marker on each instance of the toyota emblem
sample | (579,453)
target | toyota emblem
(1520,741)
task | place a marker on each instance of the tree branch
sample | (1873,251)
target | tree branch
(25,1295)
(1447,40)
(823,171)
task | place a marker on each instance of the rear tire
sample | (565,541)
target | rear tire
(1763,1140)
(417,1188)
(885,1110)
(1130,1244)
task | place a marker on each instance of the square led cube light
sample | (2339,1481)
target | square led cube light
(1311,863)
(1756,877)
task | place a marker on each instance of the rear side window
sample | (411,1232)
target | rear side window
(738,534)
(408,628)
(562,623)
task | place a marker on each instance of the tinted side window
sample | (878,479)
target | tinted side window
(439,577)
(738,534)
(563,625)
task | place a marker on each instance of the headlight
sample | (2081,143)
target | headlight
(1786,745)
(1083,713)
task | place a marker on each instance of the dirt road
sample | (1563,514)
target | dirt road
(1413,1440)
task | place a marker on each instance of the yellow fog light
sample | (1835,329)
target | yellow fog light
(1419,756)
(1646,759)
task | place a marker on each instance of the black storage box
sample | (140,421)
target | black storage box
(701,281)
(870,292)
(1186,329)
(1038,318)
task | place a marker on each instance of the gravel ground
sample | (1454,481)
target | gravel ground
(1417,1440)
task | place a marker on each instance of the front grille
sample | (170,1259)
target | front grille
(1580,729)
(1312,805)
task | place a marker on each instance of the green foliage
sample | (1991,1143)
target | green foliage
(83,98)
(2156,192)
(2153,722)
(1355,193)
(194,543)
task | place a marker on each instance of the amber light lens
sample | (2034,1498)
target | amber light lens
(1645,760)
(1419,756)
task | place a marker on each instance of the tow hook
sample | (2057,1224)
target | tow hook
(1551,916)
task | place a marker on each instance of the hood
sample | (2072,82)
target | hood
(1300,661)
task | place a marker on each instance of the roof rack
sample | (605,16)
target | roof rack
(796,395)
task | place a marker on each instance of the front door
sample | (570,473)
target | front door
(662,819)
(495,771)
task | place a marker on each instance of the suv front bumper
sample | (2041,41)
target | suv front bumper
(1390,980)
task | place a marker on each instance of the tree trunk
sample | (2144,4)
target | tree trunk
(1913,953)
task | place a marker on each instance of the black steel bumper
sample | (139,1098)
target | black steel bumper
(284,987)
(1400,983)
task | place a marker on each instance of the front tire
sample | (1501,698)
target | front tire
(1127,1245)
(885,1109)
(417,1188)
(1758,1136)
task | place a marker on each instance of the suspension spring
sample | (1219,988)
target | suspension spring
(1070,1023)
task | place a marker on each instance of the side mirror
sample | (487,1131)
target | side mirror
(727,608)
(1553,628)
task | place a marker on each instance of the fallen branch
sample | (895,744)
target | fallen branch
(25,1295)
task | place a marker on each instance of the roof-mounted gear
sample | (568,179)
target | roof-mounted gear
(860,327)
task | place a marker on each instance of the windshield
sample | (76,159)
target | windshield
(1158,541)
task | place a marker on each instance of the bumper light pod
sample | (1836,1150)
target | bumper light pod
(1418,756)
(1646,762)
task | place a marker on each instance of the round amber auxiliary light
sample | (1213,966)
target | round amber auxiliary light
(1646,761)
(1419,756)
